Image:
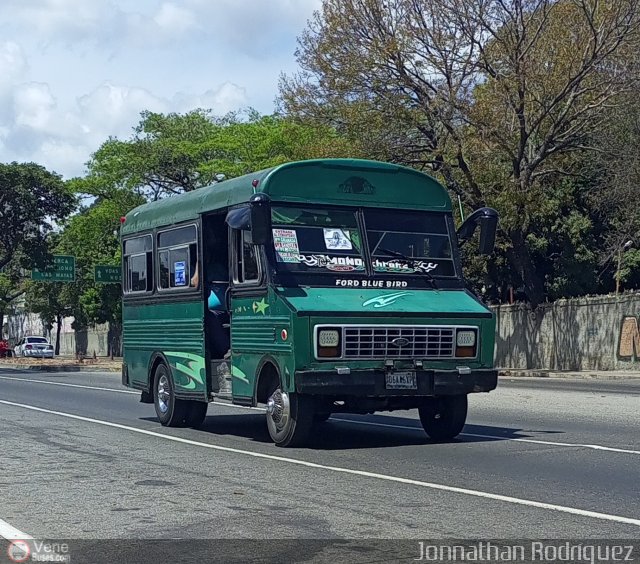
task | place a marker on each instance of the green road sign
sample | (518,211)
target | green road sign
(104,274)
(63,270)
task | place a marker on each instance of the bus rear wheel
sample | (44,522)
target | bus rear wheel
(444,417)
(170,410)
(195,413)
(289,417)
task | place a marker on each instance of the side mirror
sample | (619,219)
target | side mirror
(260,219)
(487,219)
(254,217)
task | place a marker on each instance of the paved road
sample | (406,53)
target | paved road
(82,458)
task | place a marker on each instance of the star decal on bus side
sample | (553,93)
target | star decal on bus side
(260,307)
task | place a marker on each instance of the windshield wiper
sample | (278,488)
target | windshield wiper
(412,262)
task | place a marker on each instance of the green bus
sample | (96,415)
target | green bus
(311,288)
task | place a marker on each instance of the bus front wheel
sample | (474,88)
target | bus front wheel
(444,417)
(289,417)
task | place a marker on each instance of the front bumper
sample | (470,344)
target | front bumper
(372,383)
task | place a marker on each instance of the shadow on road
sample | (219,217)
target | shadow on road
(348,432)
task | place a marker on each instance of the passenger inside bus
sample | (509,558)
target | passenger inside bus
(216,275)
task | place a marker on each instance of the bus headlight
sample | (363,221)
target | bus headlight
(328,343)
(466,341)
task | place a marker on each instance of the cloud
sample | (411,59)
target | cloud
(68,21)
(33,106)
(74,72)
(174,19)
(115,108)
(250,26)
(254,28)
(222,100)
(116,23)
(13,63)
(64,140)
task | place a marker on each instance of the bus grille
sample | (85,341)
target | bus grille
(398,342)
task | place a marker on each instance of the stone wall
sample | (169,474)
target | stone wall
(593,333)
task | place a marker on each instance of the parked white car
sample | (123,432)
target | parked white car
(38,347)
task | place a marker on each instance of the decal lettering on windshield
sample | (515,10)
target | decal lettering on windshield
(403,266)
(337,264)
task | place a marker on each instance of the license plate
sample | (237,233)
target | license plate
(401,381)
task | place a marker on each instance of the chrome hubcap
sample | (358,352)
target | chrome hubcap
(278,410)
(164,394)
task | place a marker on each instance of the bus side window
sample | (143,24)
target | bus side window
(247,267)
(138,267)
(178,258)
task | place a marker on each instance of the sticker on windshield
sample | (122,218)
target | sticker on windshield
(337,240)
(285,242)
(180,270)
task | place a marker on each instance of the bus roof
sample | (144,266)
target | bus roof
(348,182)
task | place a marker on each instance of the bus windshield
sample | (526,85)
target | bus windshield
(324,241)
(408,242)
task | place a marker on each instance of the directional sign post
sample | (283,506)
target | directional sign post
(104,274)
(63,270)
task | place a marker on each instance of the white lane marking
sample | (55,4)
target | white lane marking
(355,422)
(337,469)
(11,533)
(115,390)
(496,437)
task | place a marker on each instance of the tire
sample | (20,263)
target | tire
(444,417)
(170,410)
(196,411)
(289,417)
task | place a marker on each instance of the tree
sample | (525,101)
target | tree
(11,287)
(32,199)
(616,195)
(174,153)
(497,98)
(92,237)
(48,299)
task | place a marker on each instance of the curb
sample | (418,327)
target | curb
(73,369)
(63,368)
(586,375)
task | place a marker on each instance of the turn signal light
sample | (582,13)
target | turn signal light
(465,352)
(328,352)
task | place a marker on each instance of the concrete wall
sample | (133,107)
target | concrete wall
(19,324)
(95,339)
(593,333)
(86,341)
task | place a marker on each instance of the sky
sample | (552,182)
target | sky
(74,72)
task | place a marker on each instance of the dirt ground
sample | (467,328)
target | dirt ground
(105,364)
